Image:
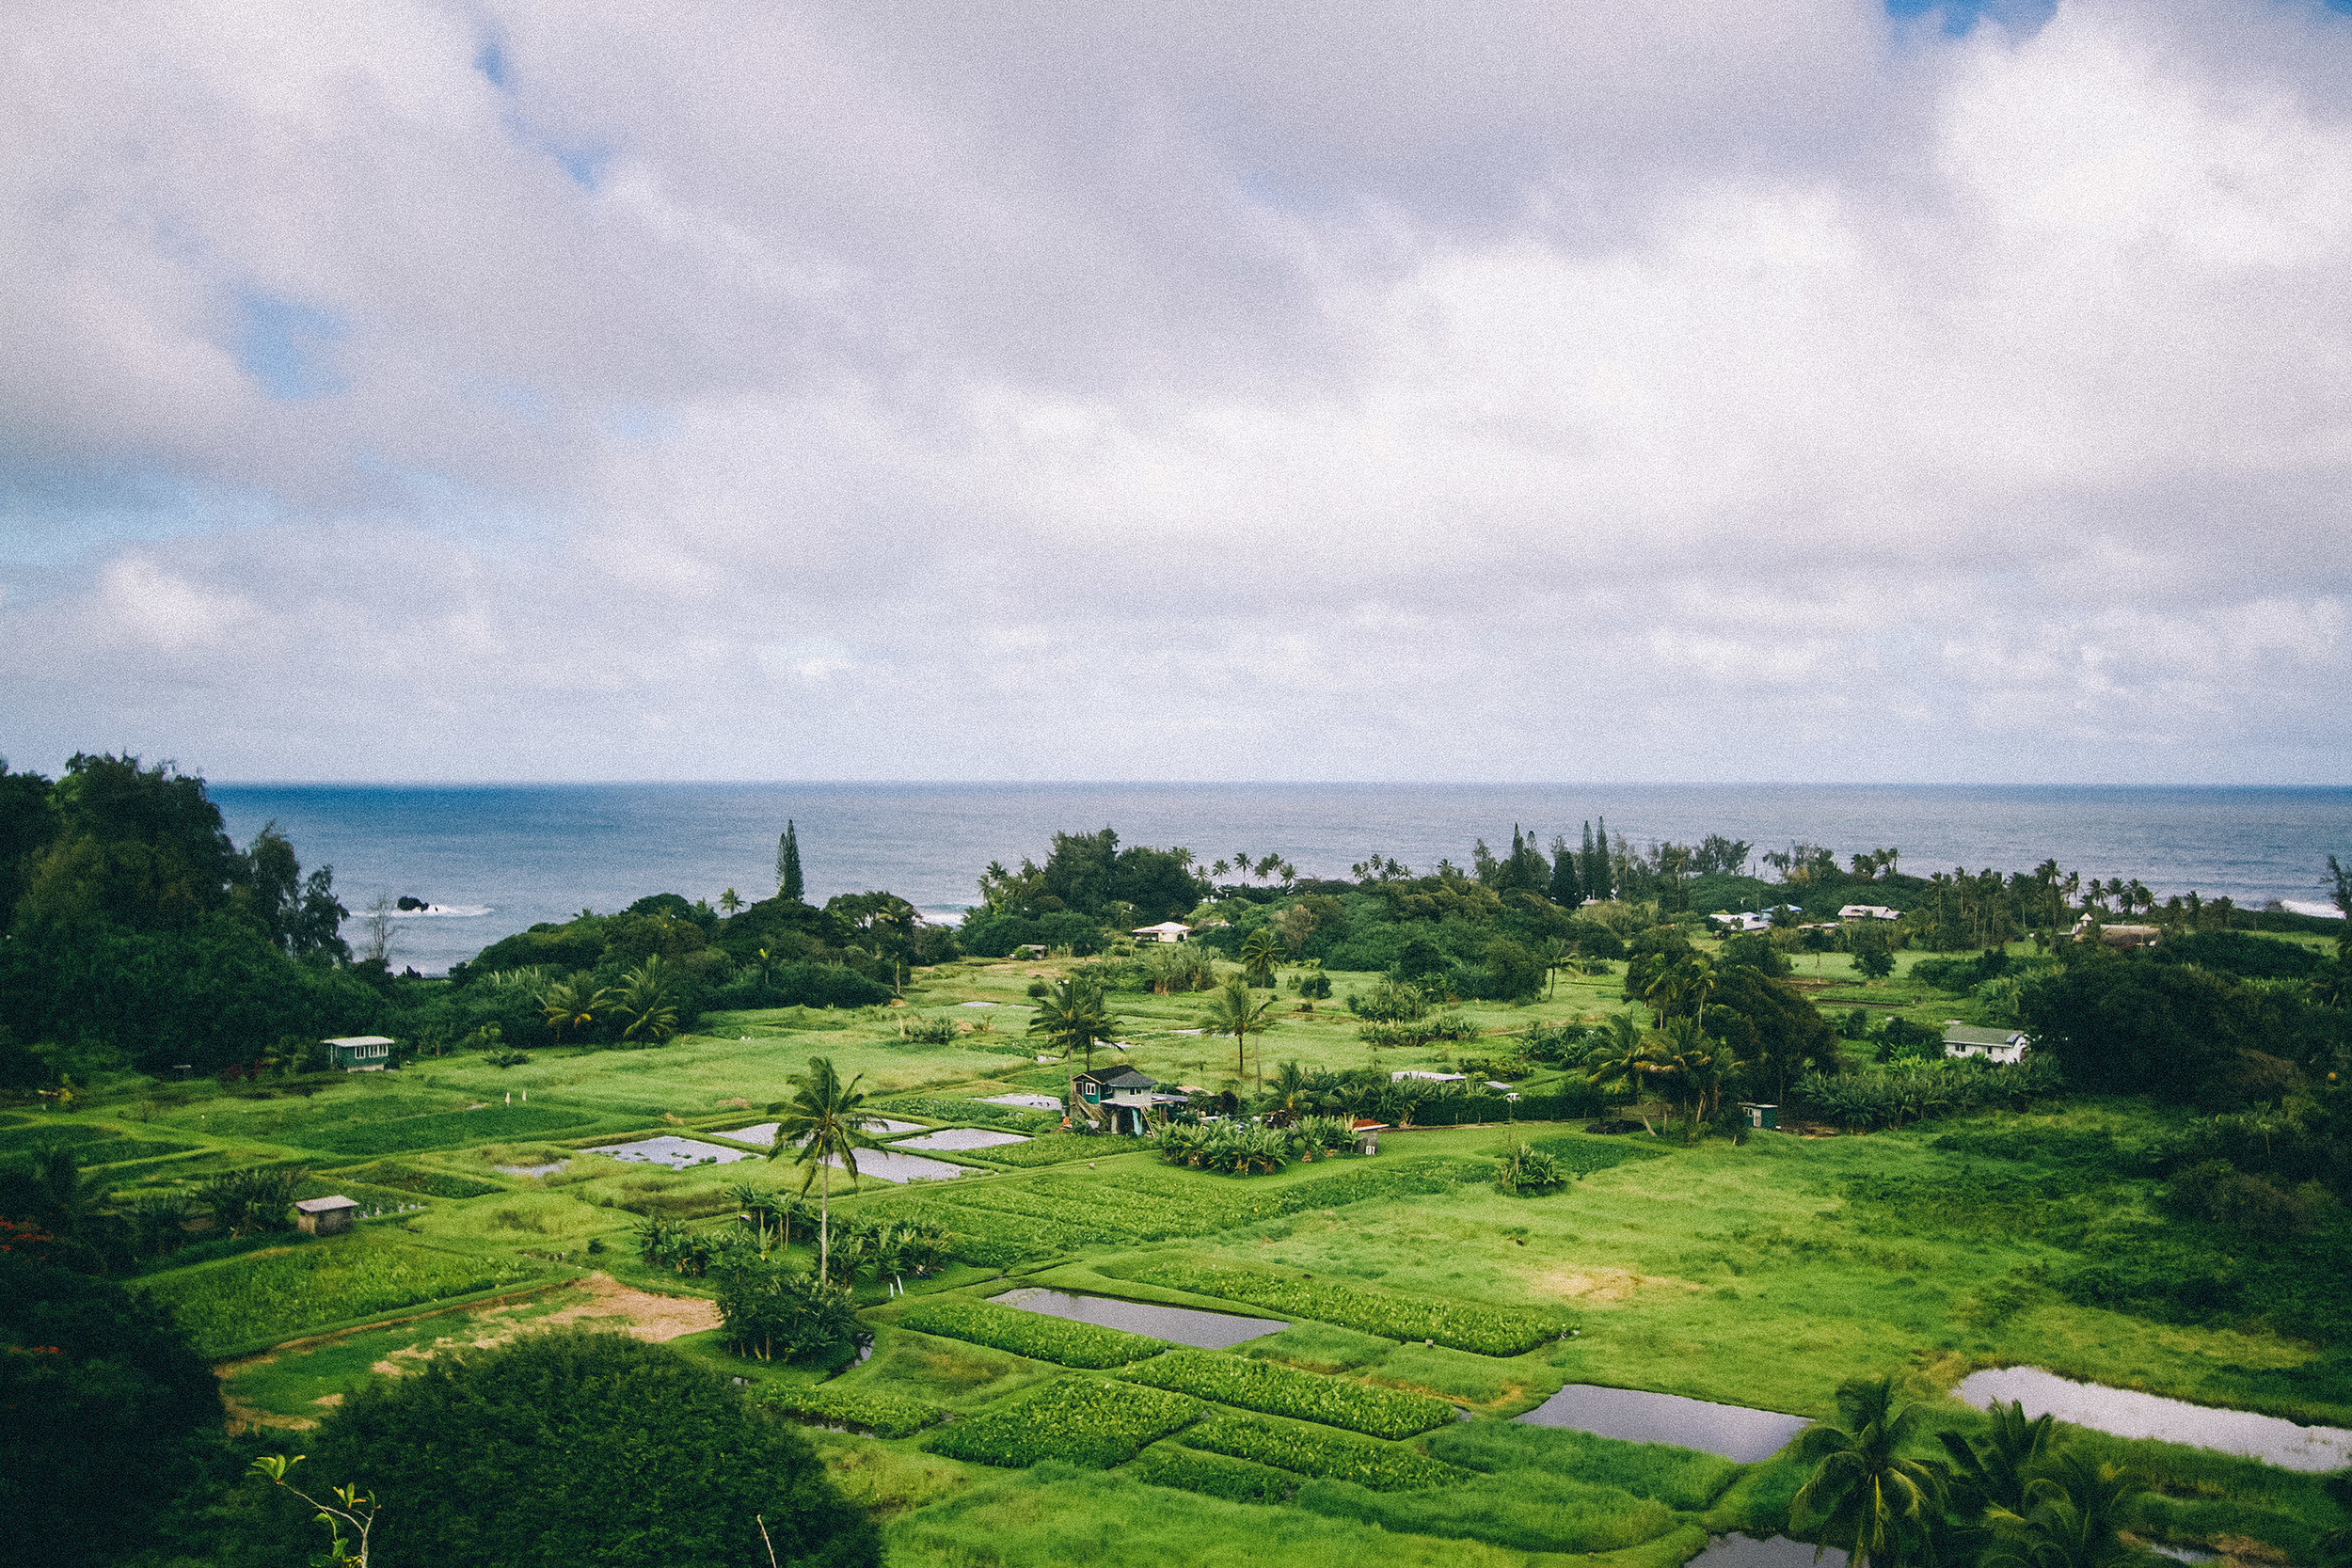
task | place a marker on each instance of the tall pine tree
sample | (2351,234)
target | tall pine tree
(1566,889)
(789,864)
(1598,882)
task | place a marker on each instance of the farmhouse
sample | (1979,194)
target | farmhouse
(359,1052)
(1997,1045)
(1167,931)
(1868,911)
(2117,936)
(326,1216)
(1124,1096)
(1734,920)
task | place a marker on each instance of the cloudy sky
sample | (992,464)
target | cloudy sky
(1656,391)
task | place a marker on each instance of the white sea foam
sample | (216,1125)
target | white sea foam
(441,912)
(2310,907)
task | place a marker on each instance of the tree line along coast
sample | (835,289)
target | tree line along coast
(2079,1126)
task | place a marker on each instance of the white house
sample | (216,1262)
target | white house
(359,1052)
(1734,920)
(1997,1045)
(1167,931)
(1425,1077)
(1868,911)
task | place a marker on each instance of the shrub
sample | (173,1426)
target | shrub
(1525,1172)
(108,1414)
(1229,1149)
(1212,1475)
(877,1410)
(1082,1420)
(492,1459)
(774,1313)
(2220,1194)
(1392,1001)
(1321,1452)
(1031,1334)
(1273,1389)
(1483,1330)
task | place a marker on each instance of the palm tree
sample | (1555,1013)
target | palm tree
(730,901)
(1864,1496)
(1622,1064)
(827,1122)
(1070,1015)
(1235,1011)
(1260,950)
(1692,1069)
(1995,1472)
(2078,1513)
(1293,1095)
(570,1005)
(1686,981)
(647,1003)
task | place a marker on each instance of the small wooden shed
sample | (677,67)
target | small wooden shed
(326,1216)
(359,1052)
(1764,1118)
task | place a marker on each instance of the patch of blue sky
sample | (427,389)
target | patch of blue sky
(1959,17)
(490,59)
(55,519)
(638,421)
(285,345)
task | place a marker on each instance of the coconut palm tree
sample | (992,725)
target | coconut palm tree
(826,1120)
(730,901)
(1070,1015)
(1622,1063)
(1260,950)
(571,1005)
(2079,1509)
(1293,1095)
(1235,1011)
(647,1001)
(1994,1472)
(1864,1496)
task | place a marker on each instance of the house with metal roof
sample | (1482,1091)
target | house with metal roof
(1997,1045)
(1121,1097)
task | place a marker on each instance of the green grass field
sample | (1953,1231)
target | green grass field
(1759,1275)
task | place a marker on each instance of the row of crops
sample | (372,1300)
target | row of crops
(995,1224)
(263,1298)
(1031,1334)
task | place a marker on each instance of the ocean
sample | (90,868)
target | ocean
(496,859)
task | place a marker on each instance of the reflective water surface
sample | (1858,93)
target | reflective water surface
(1182,1325)
(2128,1413)
(1637,1416)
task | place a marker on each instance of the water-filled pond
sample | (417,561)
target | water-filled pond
(1182,1325)
(674,1151)
(2128,1413)
(1774,1551)
(548,1170)
(887,1166)
(765,1132)
(1026,1102)
(1637,1416)
(955,1138)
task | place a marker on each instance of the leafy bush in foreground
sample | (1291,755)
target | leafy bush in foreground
(880,1412)
(1273,1389)
(1030,1334)
(1484,1330)
(1083,1420)
(1321,1452)
(571,1446)
(1212,1475)
(269,1297)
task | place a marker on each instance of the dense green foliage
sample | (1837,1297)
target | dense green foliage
(1079,1420)
(574,1448)
(1463,1325)
(1031,1334)
(1272,1389)
(1320,1452)
(1530,1509)
(105,1414)
(262,1297)
(1212,1475)
(876,1410)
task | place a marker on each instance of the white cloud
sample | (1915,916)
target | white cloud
(1652,391)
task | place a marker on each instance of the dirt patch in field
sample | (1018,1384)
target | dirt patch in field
(649,1316)
(1605,1284)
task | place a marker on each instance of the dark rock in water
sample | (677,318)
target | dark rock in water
(408,903)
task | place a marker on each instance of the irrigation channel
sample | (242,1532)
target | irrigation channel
(1182,1324)
(2127,1413)
(1636,1416)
